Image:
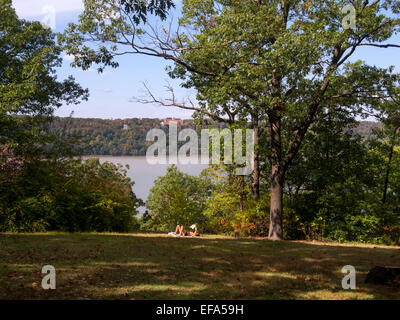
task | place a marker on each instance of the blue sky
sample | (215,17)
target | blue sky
(110,92)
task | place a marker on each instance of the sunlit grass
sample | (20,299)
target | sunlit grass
(148,266)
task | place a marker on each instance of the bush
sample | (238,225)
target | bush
(69,195)
(254,219)
(176,198)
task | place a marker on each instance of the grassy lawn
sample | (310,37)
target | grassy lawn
(138,266)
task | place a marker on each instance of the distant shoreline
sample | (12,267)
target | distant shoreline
(127,138)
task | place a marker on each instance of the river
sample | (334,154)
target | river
(144,173)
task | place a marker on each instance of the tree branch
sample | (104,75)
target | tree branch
(172,102)
(380,45)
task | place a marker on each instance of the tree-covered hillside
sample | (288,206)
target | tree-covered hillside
(113,137)
(127,137)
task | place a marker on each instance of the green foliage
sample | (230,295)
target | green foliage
(109,22)
(230,207)
(288,73)
(70,195)
(254,219)
(221,209)
(28,84)
(108,137)
(333,191)
(111,137)
(335,188)
(177,198)
(31,214)
(286,66)
(41,186)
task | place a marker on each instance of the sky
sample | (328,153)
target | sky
(111,92)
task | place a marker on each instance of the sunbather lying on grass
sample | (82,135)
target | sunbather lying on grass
(180,231)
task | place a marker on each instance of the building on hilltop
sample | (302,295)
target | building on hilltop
(169,120)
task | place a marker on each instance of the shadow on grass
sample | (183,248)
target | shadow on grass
(157,267)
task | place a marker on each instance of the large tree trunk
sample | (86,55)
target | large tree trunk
(276,210)
(255,177)
(277,178)
(386,185)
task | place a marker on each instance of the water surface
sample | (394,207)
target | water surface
(144,173)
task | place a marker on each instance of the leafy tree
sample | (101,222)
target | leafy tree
(283,60)
(29,90)
(389,116)
(109,23)
(268,66)
(388,220)
(177,198)
(42,187)
(69,195)
(329,173)
(231,206)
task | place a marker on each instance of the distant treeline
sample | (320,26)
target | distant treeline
(127,137)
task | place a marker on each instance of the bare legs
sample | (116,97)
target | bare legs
(180,230)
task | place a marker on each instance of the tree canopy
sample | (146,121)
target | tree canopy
(281,63)
(29,57)
(42,187)
(177,198)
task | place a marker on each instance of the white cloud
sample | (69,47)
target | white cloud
(34,8)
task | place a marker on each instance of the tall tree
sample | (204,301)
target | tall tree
(389,116)
(270,65)
(29,89)
(177,198)
(287,60)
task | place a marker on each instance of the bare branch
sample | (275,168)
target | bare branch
(172,102)
(373,3)
(380,45)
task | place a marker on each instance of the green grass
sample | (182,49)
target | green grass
(138,266)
